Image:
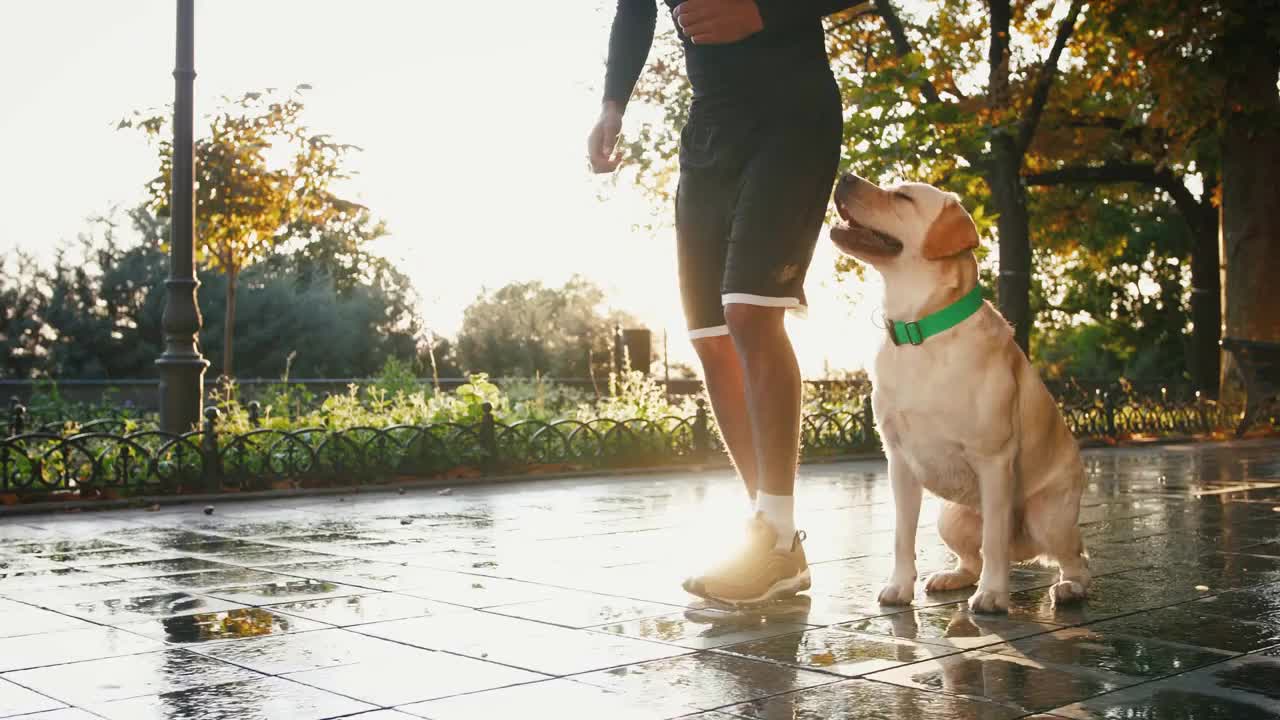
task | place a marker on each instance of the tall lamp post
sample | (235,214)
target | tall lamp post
(181,365)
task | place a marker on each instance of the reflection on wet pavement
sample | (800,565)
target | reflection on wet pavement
(862,700)
(561,599)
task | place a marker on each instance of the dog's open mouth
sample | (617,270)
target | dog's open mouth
(858,239)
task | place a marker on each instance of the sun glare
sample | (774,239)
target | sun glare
(473,151)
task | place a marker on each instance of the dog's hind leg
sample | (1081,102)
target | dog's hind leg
(961,529)
(1053,525)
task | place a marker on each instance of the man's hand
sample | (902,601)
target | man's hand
(716,22)
(602,144)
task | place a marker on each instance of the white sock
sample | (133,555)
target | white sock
(780,512)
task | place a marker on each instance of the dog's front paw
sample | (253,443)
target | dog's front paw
(945,580)
(1067,592)
(897,593)
(989,601)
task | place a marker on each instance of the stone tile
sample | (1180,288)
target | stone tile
(704,629)
(520,643)
(57,648)
(13,565)
(1241,689)
(99,681)
(1003,679)
(480,592)
(561,699)
(235,624)
(1221,571)
(706,680)
(69,596)
(281,654)
(271,558)
(1270,549)
(162,538)
(1183,624)
(64,546)
(1255,602)
(861,580)
(361,609)
(210,579)
(64,714)
(18,700)
(819,609)
(99,558)
(139,608)
(12,584)
(331,538)
(951,627)
(283,590)
(1109,596)
(154,568)
(580,610)
(409,675)
(838,652)
(364,573)
(650,583)
(863,700)
(21,619)
(263,698)
(222,548)
(1095,648)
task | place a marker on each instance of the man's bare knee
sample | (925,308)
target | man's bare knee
(753,324)
(715,352)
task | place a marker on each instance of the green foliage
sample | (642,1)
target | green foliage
(396,377)
(634,395)
(1112,290)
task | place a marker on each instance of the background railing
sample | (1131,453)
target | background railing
(115,457)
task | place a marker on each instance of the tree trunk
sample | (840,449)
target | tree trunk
(1250,234)
(1206,300)
(1013,292)
(229,327)
(1009,196)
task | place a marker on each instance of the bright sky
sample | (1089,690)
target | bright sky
(473,125)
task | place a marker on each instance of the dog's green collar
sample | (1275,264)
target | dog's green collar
(915,332)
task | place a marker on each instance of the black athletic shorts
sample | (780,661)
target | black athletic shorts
(751,200)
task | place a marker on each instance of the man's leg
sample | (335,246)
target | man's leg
(722,373)
(772,379)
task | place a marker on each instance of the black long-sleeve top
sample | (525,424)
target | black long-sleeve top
(787,55)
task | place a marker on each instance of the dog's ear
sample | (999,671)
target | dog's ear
(951,233)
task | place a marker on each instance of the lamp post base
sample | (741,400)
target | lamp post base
(181,392)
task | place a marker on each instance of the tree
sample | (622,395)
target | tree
(1127,119)
(525,328)
(262,177)
(1193,102)
(21,303)
(96,311)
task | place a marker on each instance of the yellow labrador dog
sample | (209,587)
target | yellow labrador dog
(960,409)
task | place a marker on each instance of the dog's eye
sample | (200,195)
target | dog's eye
(903,196)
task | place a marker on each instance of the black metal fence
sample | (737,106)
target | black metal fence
(107,458)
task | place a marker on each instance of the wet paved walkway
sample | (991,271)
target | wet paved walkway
(560,599)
